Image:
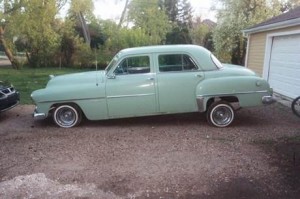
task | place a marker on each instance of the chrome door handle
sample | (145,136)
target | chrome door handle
(150,78)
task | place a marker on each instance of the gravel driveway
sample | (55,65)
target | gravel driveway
(174,156)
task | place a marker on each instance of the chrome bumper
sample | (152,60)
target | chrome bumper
(38,116)
(268,100)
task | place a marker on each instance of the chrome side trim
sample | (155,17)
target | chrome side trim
(70,100)
(201,98)
(137,95)
(200,103)
(99,98)
(229,94)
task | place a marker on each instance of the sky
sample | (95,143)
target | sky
(109,9)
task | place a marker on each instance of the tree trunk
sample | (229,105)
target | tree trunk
(123,14)
(7,51)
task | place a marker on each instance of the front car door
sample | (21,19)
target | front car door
(130,89)
(177,78)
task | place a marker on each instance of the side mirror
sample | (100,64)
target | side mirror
(112,76)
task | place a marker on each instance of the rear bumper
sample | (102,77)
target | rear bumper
(268,100)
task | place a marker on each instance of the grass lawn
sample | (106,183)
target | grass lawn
(27,80)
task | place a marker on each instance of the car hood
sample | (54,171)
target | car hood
(237,70)
(94,77)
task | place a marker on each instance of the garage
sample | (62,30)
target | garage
(284,67)
(273,52)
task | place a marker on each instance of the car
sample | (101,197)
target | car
(153,80)
(9,97)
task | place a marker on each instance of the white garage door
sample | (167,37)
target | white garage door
(284,69)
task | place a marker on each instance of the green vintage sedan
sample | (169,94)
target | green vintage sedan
(153,80)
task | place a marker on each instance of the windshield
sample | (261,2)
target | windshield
(112,63)
(216,61)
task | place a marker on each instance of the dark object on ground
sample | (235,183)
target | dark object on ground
(9,97)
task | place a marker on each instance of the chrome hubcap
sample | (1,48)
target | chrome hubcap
(66,116)
(222,115)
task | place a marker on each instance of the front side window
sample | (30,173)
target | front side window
(133,65)
(176,62)
(112,63)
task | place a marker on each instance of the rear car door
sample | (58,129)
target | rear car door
(177,78)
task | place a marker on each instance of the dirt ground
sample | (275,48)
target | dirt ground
(174,156)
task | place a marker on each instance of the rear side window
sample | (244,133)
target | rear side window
(176,62)
(133,65)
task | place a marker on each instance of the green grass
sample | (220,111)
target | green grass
(27,80)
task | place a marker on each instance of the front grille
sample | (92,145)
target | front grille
(8,91)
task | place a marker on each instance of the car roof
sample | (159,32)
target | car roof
(199,53)
(162,48)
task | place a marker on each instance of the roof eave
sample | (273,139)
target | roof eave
(273,26)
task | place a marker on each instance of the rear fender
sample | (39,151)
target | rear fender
(247,90)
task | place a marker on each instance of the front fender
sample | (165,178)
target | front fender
(83,95)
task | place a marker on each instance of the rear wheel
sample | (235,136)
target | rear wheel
(67,116)
(220,114)
(296,106)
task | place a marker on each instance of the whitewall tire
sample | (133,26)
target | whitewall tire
(220,114)
(67,116)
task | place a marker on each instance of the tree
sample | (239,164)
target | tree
(185,15)
(35,23)
(179,13)
(123,13)
(290,4)
(171,7)
(235,16)
(28,24)
(10,8)
(86,7)
(31,25)
(201,33)
(150,18)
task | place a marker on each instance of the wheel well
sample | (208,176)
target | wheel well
(52,108)
(229,99)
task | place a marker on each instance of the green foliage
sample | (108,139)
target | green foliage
(199,32)
(83,56)
(235,16)
(289,4)
(33,24)
(126,38)
(73,50)
(32,27)
(98,37)
(86,7)
(150,18)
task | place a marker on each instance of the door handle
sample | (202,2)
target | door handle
(198,75)
(150,78)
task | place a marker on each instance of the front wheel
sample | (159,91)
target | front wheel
(296,106)
(220,114)
(67,116)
